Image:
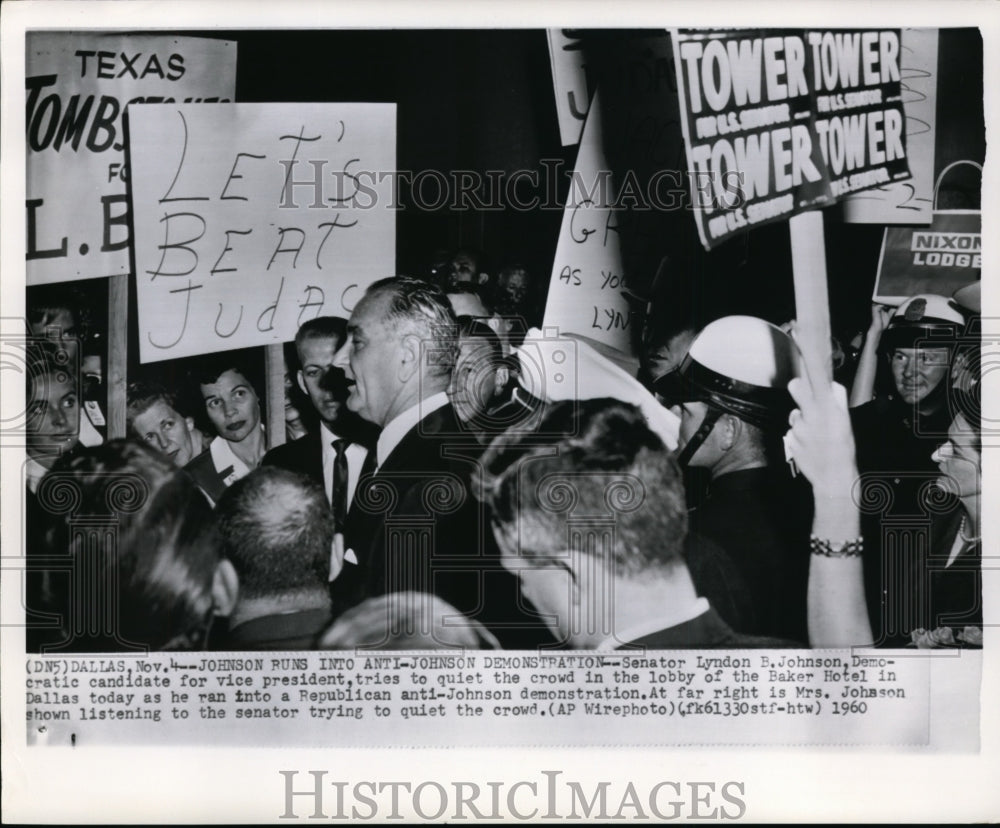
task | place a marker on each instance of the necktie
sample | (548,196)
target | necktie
(338,494)
(371,463)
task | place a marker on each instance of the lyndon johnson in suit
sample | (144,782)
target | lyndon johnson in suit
(414,523)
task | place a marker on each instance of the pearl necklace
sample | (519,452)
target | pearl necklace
(962,535)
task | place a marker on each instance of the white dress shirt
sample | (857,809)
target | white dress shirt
(355,454)
(223,457)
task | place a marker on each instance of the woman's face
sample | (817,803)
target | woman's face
(232,406)
(958,459)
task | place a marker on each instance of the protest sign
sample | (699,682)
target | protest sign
(569,79)
(77,88)
(587,288)
(908,202)
(780,121)
(940,258)
(252,218)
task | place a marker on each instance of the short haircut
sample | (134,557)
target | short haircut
(161,562)
(426,309)
(470,328)
(142,395)
(276,528)
(322,327)
(406,621)
(609,464)
(478,291)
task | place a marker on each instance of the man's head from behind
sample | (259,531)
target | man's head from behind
(276,529)
(160,562)
(401,348)
(152,416)
(599,511)
(317,342)
(731,391)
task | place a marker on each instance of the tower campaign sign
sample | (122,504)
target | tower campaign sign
(776,122)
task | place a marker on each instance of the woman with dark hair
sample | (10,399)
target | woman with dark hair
(931,591)
(950,608)
(129,556)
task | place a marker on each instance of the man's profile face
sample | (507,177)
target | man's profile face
(370,359)
(548,588)
(918,371)
(232,406)
(163,428)
(474,381)
(692,415)
(319,379)
(53,423)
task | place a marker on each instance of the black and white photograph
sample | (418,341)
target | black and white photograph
(487,413)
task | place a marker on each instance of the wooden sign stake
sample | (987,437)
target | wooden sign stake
(812,306)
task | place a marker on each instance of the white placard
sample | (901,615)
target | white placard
(77,89)
(252,218)
(908,202)
(587,288)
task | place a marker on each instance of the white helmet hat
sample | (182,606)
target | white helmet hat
(969,298)
(925,319)
(740,365)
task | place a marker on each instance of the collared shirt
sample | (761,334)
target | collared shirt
(33,474)
(224,458)
(675,616)
(394,432)
(89,435)
(355,458)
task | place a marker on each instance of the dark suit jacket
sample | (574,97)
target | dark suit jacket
(760,517)
(304,456)
(417,525)
(202,469)
(706,632)
(288,631)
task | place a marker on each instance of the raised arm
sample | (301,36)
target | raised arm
(864,379)
(822,444)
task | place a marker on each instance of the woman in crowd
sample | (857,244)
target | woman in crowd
(935,598)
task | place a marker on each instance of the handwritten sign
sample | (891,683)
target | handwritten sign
(252,218)
(569,78)
(587,287)
(77,87)
(781,121)
(908,202)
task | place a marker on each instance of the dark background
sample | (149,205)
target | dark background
(483,100)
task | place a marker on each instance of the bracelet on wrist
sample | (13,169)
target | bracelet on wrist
(836,549)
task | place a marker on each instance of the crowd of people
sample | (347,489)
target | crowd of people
(426,496)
